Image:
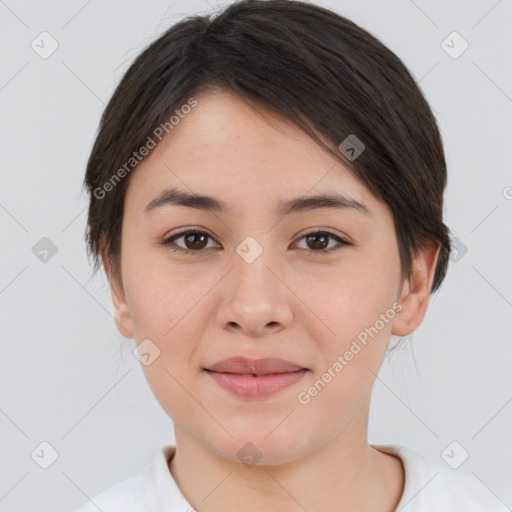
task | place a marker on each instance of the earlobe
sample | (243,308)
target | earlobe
(122,315)
(416,292)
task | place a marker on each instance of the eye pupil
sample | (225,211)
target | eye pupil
(324,240)
(195,241)
(195,244)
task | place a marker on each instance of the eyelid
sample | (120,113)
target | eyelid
(341,240)
(330,231)
(169,239)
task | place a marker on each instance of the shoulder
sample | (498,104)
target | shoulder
(432,485)
(119,496)
(151,489)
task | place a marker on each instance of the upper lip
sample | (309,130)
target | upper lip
(263,366)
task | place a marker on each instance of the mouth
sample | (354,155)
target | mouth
(253,379)
(255,367)
(259,375)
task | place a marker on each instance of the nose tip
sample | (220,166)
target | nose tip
(250,329)
(255,300)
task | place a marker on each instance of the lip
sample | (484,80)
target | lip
(262,366)
(255,378)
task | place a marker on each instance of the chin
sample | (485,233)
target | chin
(256,448)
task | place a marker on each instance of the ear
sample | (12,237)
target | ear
(122,315)
(416,291)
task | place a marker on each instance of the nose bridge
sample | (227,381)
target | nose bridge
(254,297)
(252,264)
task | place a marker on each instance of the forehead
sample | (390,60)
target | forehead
(241,154)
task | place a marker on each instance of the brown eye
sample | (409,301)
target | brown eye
(194,241)
(317,242)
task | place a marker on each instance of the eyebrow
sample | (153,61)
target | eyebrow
(176,197)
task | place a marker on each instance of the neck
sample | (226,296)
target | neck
(344,474)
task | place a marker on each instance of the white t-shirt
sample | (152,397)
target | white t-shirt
(429,487)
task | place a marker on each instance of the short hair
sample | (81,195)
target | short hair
(315,67)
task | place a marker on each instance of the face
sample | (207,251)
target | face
(307,285)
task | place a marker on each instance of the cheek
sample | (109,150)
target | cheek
(168,310)
(161,299)
(351,299)
(352,354)
(356,308)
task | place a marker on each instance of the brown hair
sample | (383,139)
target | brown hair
(321,71)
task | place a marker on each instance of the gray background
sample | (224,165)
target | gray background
(67,375)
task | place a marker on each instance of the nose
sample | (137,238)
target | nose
(256,298)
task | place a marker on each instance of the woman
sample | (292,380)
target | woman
(266,199)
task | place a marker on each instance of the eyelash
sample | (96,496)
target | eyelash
(168,242)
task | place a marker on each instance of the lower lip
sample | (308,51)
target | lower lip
(249,386)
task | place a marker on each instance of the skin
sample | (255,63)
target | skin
(199,309)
